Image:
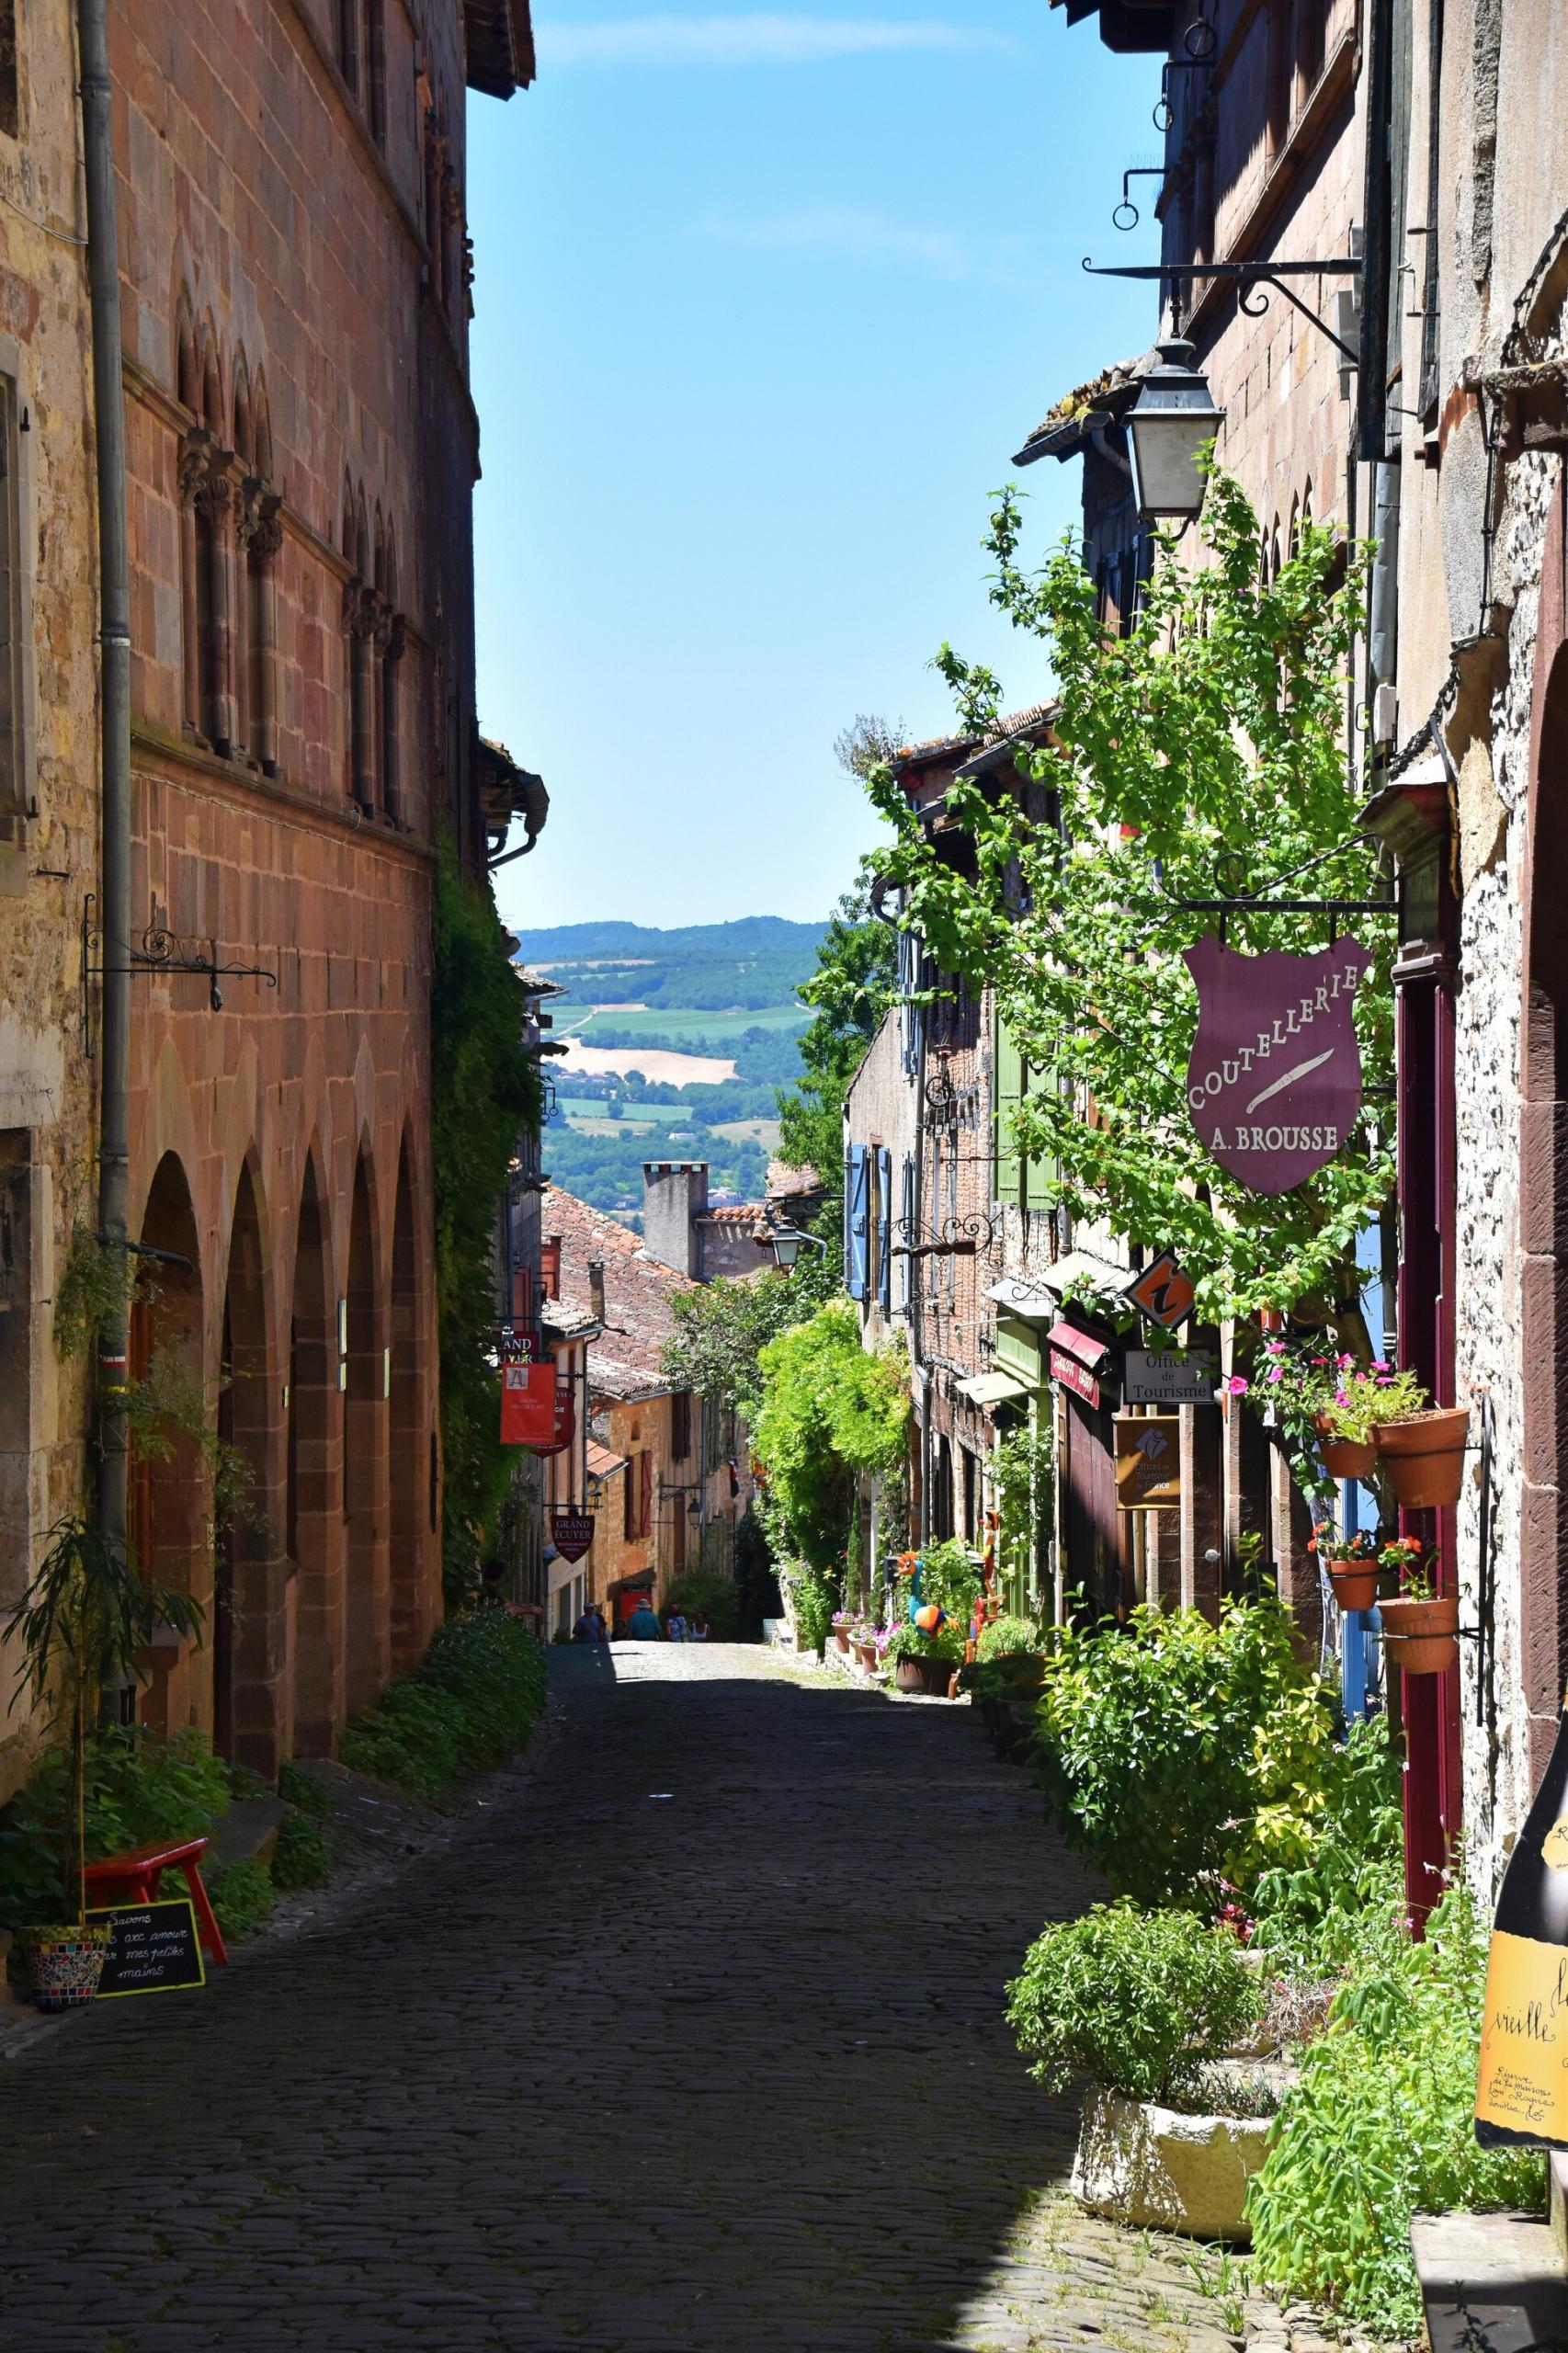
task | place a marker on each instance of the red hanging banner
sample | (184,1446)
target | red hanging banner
(527,1405)
(1274,1083)
(565,1423)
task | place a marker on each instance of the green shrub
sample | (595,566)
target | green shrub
(241,1896)
(1380,2127)
(1007,1638)
(137,1787)
(704,1593)
(305,1790)
(303,1857)
(1140,2000)
(1314,1916)
(1180,1754)
(469,1703)
(908,1642)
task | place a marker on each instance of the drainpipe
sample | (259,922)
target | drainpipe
(114,640)
(1382,618)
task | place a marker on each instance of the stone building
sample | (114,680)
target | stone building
(1474,434)
(662,1469)
(49,803)
(302,448)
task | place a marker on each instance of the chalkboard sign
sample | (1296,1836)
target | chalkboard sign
(154,1949)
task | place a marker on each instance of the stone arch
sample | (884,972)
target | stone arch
(1543,1205)
(168,1488)
(313,1476)
(247,1636)
(187,378)
(265,462)
(243,434)
(368,1614)
(412,1581)
(350,535)
(210,378)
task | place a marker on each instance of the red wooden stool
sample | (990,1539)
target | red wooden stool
(133,1877)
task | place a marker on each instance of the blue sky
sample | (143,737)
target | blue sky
(766,300)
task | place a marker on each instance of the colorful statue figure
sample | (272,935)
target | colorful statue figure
(928,1617)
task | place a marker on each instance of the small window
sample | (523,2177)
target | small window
(348,42)
(376,68)
(14,788)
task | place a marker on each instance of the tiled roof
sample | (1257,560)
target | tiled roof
(624,1362)
(602,1461)
(1105,398)
(787,1184)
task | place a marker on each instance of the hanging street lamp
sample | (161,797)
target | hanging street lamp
(1172,418)
(785,1242)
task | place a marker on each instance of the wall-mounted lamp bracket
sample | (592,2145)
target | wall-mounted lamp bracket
(1254,279)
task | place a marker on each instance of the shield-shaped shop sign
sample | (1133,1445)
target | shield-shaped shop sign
(1274,1083)
(571,1532)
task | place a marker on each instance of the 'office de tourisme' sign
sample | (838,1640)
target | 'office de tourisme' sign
(1274,1082)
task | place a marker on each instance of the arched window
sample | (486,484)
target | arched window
(1312,36)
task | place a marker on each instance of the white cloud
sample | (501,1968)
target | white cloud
(864,236)
(761,39)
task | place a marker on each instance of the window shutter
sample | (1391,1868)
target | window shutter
(1040,1175)
(908,1213)
(645,1492)
(884,1228)
(629,1501)
(857,1222)
(1008,1087)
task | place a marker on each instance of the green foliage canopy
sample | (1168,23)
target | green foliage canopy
(828,1412)
(851,989)
(1202,753)
(723,1327)
(484,1094)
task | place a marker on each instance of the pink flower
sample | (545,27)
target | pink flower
(1341,1397)
(1343,1361)
(1235,1386)
(1379,1364)
(1275,1347)
(1275,1372)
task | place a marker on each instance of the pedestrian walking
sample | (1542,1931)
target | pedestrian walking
(590,1626)
(698,1630)
(675,1626)
(642,1626)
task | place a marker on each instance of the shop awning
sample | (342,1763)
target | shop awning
(991,1388)
(1080,1346)
(1037,1300)
(602,1463)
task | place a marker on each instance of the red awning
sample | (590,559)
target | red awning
(1073,1342)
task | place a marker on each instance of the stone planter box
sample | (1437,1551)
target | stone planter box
(1156,2169)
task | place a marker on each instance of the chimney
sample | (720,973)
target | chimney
(596,1289)
(674,1195)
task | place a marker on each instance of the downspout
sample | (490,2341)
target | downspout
(114,640)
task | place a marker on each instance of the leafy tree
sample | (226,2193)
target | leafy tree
(1203,753)
(829,1410)
(723,1327)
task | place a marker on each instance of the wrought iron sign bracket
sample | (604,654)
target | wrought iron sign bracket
(161,951)
(958,1238)
(1257,280)
(1257,902)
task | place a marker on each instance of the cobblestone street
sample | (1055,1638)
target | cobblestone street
(691,2039)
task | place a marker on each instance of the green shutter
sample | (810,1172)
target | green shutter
(1008,1065)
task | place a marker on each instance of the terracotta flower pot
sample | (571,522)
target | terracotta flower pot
(1355,1582)
(1422,1636)
(934,1677)
(867,1655)
(841,1639)
(1344,1458)
(1423,1456)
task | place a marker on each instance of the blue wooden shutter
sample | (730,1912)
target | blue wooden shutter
(857,1221)
(884,1228)
(908,1213)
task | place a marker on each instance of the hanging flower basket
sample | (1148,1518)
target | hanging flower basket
(65,1964)
(1421,1637)
(1423,1457)
(1355,1584)
(1344,1458)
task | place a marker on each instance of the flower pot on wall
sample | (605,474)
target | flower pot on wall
(1423,1457)
(1355,1584)
(1156,2168)
(867,1655)
(1421,1637)
(841,1639)
(1344,1458)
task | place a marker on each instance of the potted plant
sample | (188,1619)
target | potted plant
(1352,1563)
(1420,1447)
(944,1583)
(863,1643)
(1420,1625)
(1147,2005)
(925,1662)
(843,1620)
(80,1625)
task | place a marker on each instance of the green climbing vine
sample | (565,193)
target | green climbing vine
(484,1094)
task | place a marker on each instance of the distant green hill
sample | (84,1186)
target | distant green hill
(744,967)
